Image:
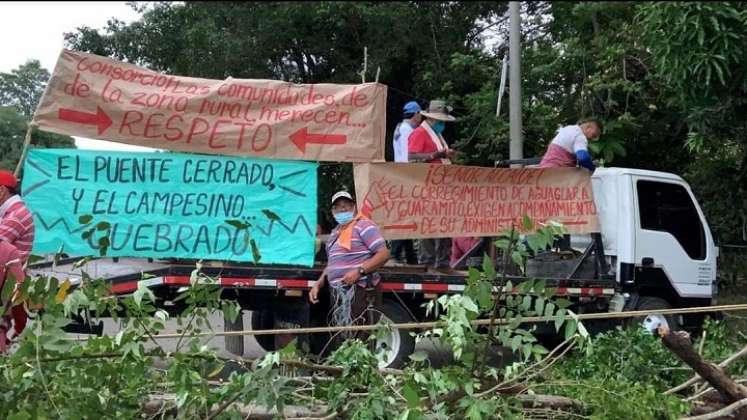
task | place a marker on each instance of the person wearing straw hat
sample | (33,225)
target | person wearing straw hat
(427,144)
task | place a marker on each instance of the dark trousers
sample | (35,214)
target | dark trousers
(363,299)
(435,252)
(405,247)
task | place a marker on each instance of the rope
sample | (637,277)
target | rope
(341,312)
(479,322)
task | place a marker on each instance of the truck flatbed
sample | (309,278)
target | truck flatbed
(125,274)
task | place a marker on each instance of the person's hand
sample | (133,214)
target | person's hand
(450,153)
(351,277)
(314,294)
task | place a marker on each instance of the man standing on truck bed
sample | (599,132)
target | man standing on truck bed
(570,146)
(403,250)
(428,145)
(355,250)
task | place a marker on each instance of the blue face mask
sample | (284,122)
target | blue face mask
(439,127)
(344,217)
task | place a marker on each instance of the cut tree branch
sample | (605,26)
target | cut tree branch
(695,379)
(679,344)
(550,401)
(728,410)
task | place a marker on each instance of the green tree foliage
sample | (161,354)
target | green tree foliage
(13,126)
(23,87)
(624,373)
(701,61)
(304,42)
(20,92)
(667,79)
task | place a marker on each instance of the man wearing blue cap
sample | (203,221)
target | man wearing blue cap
(411,120)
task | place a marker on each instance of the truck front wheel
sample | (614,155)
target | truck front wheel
(234,343)
(264,319)
(654,321)
(397,344)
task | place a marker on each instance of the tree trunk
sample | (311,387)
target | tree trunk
(679,344)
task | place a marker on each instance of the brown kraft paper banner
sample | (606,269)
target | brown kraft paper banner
(418,200)
(97,97)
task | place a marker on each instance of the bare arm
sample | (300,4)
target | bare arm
(421,157)
(377,261)
(314,292)
(320,280)
(370,265)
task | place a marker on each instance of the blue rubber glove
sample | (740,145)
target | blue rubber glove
(584,159)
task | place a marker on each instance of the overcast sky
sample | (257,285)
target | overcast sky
(34,30)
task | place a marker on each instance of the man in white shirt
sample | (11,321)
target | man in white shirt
(403,251)
(570,146)
(411,120)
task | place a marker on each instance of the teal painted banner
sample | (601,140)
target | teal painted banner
(172,205)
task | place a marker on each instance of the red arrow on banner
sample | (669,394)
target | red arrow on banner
(99,119)
(301,138)
(411,226)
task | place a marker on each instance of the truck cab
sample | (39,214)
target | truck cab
(656,239)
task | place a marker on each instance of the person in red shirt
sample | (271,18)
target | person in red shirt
(427,144)
(16,221)
(12,319)
(460,247)
(16,240)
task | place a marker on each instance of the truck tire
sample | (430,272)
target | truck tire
(234,344)
(650,322)
(399,343)
(264,320)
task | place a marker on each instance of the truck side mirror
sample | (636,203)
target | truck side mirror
(647,262)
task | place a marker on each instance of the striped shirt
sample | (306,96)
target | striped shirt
(366,241)
(17,226)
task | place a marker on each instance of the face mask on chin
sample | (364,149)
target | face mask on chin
(343,217)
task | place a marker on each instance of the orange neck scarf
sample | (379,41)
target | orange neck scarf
(345,238)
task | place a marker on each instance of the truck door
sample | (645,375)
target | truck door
(673,237)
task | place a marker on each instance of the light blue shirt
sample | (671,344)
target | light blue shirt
(401,134)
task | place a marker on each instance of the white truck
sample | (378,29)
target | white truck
(655,250)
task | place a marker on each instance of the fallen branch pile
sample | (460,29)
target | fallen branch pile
(724,397)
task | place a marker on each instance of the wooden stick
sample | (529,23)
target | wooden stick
(550,401)
(365,65)
(479,322)
(679,344)
(729,409)
(26,143)
(702,341)
(695,379)
(709,390)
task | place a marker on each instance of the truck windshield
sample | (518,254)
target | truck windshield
(668,207)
